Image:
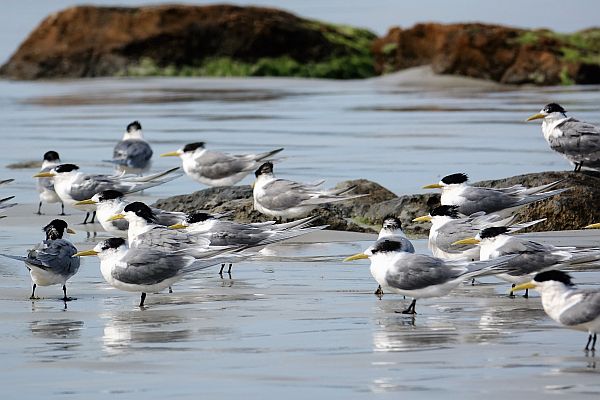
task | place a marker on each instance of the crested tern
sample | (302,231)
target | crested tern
(45,186)
(53,261)
(147,269)
(132,154)
(577,141)
(530,257)
(282,198)
(214,168)
(472,199)
(573,308)
(420,275)
(72,186)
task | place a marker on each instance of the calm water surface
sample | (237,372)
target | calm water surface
(301,323)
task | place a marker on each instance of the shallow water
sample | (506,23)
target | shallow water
(302,322)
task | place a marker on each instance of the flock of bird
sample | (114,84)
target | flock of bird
(471,231)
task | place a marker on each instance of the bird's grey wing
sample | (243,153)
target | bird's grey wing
(132,153)
(57,256)
(453,231)
(215,165)
(531,256)
(417,271)
(585,310)
(149,266)
(165,239)
(485,199)
(168,218)
(281,194)
(578,138)
(86,186)
(227,233)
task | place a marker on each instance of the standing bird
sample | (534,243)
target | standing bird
(471,199)
(420,275)
(571,307)
(148,269)
(530,257)
(577,141)
(213,168)
(112,202)
(45,186)
(281,198)
(132,154)
(53,261)
(72,186)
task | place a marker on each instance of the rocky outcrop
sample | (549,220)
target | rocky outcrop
(572,209)
(92,41)
(492,52)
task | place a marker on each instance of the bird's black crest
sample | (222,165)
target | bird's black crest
(493,232)
(455,178)
(66,168)
(266,168)
(55,229)
(554,107)
(109,195)
(448,211)
(193,146)
(554,275)
(51,156)
(141,210)
(134,126)
(392,222)
(198,217)
(112,243)
(386,246)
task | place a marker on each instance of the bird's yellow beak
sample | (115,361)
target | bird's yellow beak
(71,231)
(535,116)
(424,218)
(177,226)
(523,286)
(359,256)
(593,226)
(46,174)
(116,217)
(85,202)
(433,186)
(171,154)
(471,240)
(86,253)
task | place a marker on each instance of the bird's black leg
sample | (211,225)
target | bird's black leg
(587,346)
(142,300)
(39,211)
(379,292)
(170,289)
(526,295)
(594,343)
(473,282)
(65,293)
(32,297)
(511,294)
(410,309)
(86,218)
(93,217)
(229,270)
(221,270)
(62,209)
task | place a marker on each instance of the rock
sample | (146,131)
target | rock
(88,41)
(493,52)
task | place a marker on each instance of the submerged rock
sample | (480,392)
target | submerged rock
(184,40)
(572,209)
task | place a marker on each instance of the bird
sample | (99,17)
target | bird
(419,275)
(577,141)
(530,257)
(251,236)
(132,154)
(111,202)
(72,186)
(213,168)
(53,261)
(146,269)
(571,307)
(286,199)
(472,199)
(45,186)
(447,227)
(144,232)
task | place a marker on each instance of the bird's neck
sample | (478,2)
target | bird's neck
(50,164)
(556,298)
(137,226)
(551,122)
(133,135)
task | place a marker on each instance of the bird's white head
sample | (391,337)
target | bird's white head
(187,152)
(550,112)
(62,171)
(449,181)
(133,131)
(549,281)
